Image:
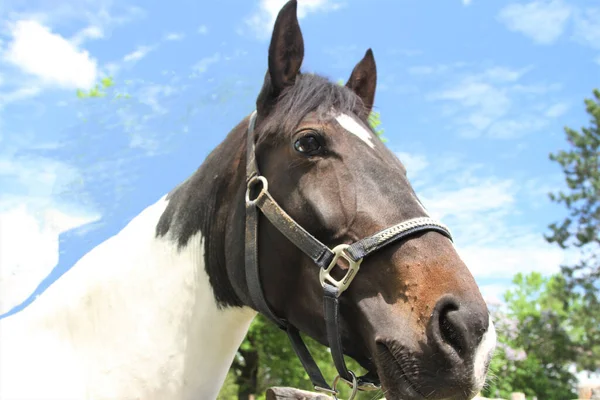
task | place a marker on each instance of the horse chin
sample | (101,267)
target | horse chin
(404,377)
(396,381)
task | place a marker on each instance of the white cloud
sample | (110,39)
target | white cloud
(587,27)
(202,30)
(48,56)
(90,32)
(523,254)
(139,53)
(29,243)
(24,92)
(504,74)
(150,95)
(202,65)
(544,21)
(516,127)
(484,215)
(466,2)
(111,68)
(413,163)
(494,103)
(32,217)
(174,36)
(485,104)
(262,21)
(421,70)
(481,196)
(557,110)
(428,69)
(493,293)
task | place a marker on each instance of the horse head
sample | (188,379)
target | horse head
(413,314)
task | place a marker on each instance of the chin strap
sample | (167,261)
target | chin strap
(258,199)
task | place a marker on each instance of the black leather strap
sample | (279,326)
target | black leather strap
(311,246)
(252,271)
(307,360)
(331,308)
(368,245)
(251,165)
(260,302)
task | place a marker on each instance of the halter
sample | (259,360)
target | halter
(259,198)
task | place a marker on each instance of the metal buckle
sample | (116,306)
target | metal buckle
(353,267)
(368,387)
(332,392)
(251,185)
(353,385)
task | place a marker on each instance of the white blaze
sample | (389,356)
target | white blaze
(351,125)
(483,353)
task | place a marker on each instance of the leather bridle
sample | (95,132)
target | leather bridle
(259,198)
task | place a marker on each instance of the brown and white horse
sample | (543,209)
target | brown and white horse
(158,310)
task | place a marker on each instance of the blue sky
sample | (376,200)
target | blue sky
(473,96)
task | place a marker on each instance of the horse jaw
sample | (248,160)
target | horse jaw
(134,318)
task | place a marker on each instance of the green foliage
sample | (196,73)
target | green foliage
(375,122)
(101,90)
(535,341)
(278,365)
(580,230)
(229,390)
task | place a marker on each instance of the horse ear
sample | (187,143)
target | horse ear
(363,80)
(286,52)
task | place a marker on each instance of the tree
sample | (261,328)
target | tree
(535,341)
(580,230)
(375,122)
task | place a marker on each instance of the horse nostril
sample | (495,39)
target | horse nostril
(449,325)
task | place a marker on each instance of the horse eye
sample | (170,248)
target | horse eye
(308,144)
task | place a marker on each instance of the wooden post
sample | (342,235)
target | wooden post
(288,393)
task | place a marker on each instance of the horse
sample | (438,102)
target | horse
(302,214)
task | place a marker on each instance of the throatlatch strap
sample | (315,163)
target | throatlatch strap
(252,272)
(257,295)
(307,360)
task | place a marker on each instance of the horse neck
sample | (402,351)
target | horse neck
(148,285)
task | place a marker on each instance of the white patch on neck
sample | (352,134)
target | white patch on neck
(483,354)
(351,125)
(135,318)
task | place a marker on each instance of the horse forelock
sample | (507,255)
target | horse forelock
(311,93)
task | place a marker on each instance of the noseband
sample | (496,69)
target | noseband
(259,198)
